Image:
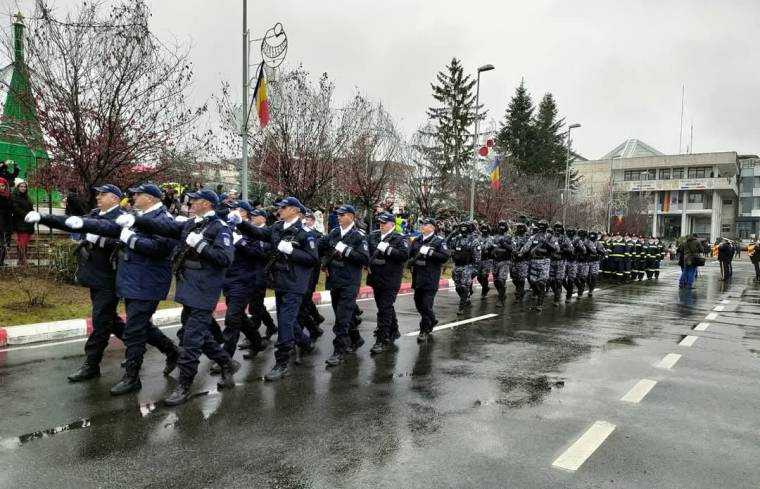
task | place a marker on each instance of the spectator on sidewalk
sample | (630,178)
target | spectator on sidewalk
(753,250)
(9,171)
(725,255)
(6,219)
(24,230)
(692,251)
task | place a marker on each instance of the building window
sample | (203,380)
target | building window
(677,173)
(746,204)
(743,229)
(725,228)
(746,187)
(697,172)
(632,175)
(665,174)
(696,198)
(728,202)
(651,175)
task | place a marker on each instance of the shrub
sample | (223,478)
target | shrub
(62,263)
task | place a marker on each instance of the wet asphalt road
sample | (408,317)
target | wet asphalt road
(492,403)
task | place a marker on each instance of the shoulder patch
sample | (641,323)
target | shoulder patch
(226,240)
(312,244)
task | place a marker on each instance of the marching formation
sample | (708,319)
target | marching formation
(230,251)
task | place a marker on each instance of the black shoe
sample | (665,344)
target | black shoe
(335,360)
(424,337)
(279,371)
(379,347)
(500,303)
(180,395)
(228,371)
(171,362)
(355,345)
(128,383)
(85,372)
(254,350)
(215,369)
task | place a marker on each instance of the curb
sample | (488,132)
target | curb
(77,328)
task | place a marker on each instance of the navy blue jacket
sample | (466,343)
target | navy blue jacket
(426,270)
(144,270)
(94,267)
(314,278)
(387,268)
(246,273)
(201,276)
(344,270)
(288,273)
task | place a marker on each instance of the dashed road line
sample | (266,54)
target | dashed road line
(668,361)
(688,341)
(639,391)
(456,323)
(725,301)
(719,308)
(701,327)
(584,447)
(711,317)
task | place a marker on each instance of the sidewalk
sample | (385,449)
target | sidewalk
(77,328)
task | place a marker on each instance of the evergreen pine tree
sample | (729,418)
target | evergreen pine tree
(549,149)
(516,137)
(452,120)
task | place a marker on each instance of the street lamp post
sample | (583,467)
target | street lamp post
(567,174)
(244,110)
(475,138)
(609,198)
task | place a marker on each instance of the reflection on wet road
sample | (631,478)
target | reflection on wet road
(493,402)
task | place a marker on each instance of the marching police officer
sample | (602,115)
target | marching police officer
(143,276)
(256,307)
(539,248)
(617,257)
(289,270)
(346,252)
(428,253)
(519,270)
(465,252)
(245,275)
(96,270)
(596,252)
(388,251)
(485,267)
(582,258)
(308,315)
(200,261)
(558,263)
(502,257)
(571,264)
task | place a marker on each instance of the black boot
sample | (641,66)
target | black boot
(424,337)
(591,286)
(279,371)
(85,372)
(228,371)
(569,289)
(180,395)
(519,291)
(581,285)
(335,359)
(129,383)
(656,274)
(380,346)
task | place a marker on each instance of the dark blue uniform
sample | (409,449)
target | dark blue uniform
(426,275)
(308,315)
(289,277)
(245,275)
(143,279)
(200,275)
(344,275)
(386,269)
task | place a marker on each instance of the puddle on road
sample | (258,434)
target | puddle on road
(11,443)
(621,342)
(523,391)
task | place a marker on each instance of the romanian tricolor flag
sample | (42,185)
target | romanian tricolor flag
(262,98)
(494,172)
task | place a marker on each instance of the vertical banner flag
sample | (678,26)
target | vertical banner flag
(495,173)
(262,98)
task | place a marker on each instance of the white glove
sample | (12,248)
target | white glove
(236,237)
(285,247)
(32,217)
(382,246)
(126,220)
(74,222)
(340,247)
(180,219)
(193,239)
(125,235)
(425,250)
(92,238)
(234,217)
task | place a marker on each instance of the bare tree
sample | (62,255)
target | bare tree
(110,95)
(423,187)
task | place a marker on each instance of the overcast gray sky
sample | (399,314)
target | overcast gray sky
(615,67)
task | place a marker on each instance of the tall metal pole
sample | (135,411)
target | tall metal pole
(567,180)
(474,158)
(244,115)
(609,201)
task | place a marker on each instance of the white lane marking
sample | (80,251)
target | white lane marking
(668,361)
(585,446)
(725,301)
(457,323)
(688,341)
(711,317)
(719,308)
(701,327)
(639,391)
